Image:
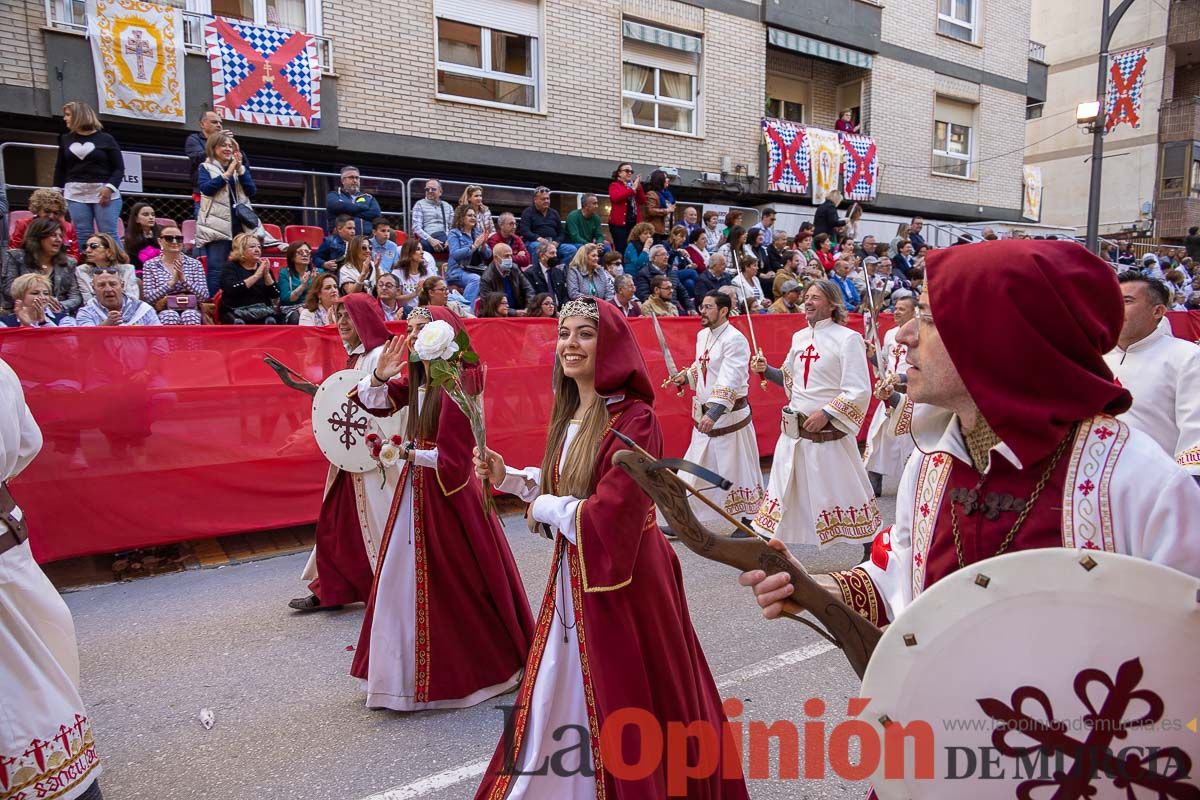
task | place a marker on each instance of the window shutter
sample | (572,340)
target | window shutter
(957,113)
(514,16)
(662,57)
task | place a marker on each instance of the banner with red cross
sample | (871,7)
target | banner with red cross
(787,156)
(263,75)
(1123,101)
(860,167)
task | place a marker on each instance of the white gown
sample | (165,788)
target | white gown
(889,442)
(46,745)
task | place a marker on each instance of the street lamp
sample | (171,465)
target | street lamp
(1086,114)
(1108,23)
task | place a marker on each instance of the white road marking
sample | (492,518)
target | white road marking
(456,775)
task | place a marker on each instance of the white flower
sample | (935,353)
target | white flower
(389,455)
(436,340)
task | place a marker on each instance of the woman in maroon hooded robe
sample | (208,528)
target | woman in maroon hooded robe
(447,623)
(614,631)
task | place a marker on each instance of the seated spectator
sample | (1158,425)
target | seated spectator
(414,266)
(777,251)
(901,236)
(714,277)
(385,252)
(624,298)
(713,238)
(788,301)
(111,306)
(823,243)
(659,266)
(845,122)
(659,210)
(141,235)
(319,302)
(734,249)
(349,200)
(760,248)
(914,233)
(42,252)
(295,280)
(33,305)
(503,276)
(1177,280)
(494,304)
(731,293)
(540,224)
(750,297)
(637,252)
(175,284)
(472,196)
(542,305)
(332,251)
(547,276)
(583,224)
(867,247)
(902,262)
(46,204)
(695,252)
(507,233)
(436,292)
(681,262)
(614,264)
(661,300)
(387,291)
(455,289)
(788,271)
(841,278)
(432,217)
(691,220)
(468,252)
(101,252)
(766,224)
(248,291)
(359,269)
(586,278)
(989,234)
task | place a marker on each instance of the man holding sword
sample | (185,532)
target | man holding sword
(723,438)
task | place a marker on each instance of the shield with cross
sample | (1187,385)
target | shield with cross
(340,425)
(1054,673)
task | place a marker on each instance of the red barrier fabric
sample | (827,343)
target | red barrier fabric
(158,435)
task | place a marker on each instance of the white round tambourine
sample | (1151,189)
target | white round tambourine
(340,425)
(1018,662)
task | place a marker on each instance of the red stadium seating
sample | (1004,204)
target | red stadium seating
(304,233)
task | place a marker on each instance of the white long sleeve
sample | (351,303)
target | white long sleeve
(373,397)
(558,513)
(426,458)
(523,483)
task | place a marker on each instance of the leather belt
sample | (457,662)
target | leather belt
(830,434)
(17,531)
(738,405)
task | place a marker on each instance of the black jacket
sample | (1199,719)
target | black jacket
(825,220)
(100,163)
(707,283)
(493,281)
(557,286)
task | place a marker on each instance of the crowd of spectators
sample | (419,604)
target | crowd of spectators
(656,256)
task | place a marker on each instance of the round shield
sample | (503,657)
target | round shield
(340,425)
(1044,673)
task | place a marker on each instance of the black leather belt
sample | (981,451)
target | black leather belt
(17,531)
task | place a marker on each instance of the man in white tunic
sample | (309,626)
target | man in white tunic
(46,744)
(889,441)
(1160,371)
(818,491)
(723,439)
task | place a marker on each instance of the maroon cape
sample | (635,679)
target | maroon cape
(473,621)
(637,644)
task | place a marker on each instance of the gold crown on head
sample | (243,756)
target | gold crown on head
(421,312)
(580,307)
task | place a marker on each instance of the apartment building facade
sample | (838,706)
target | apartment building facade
(1151,176)
(520,92)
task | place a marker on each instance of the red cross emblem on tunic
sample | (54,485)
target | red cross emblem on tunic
(703,361)
(1086,487)
(881,548)
(898,351)
(808,356)
(1103,433)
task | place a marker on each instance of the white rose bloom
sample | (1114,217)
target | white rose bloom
(436,340)
(389,455)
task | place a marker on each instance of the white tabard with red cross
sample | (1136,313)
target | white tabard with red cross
(819,492)
(889,443)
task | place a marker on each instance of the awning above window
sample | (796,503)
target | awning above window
(661,37)
(819,49)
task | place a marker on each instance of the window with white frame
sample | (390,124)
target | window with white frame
(298,15)
(958,18)
(953,137)
(660,72)
(788,98)
(489,52)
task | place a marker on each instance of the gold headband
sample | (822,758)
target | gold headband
(422,312)
(580,308)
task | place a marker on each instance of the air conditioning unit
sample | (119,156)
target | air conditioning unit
(711,177)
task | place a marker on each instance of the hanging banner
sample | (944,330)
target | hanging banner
(825,151)
(1031,205)
(137,55)
(263,75)
(1123,101)
(860,167)
(787,156)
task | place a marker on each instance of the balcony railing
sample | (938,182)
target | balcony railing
(71,15)
(1037,51)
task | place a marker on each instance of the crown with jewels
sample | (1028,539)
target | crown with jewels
(580,308)
(421,312)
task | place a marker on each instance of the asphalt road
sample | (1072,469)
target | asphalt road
(290,721)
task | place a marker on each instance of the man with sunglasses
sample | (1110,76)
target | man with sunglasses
(1019,446)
